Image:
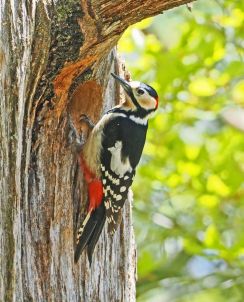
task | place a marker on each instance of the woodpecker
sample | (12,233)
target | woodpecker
(109,160)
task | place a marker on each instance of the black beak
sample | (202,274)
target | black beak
(124,84)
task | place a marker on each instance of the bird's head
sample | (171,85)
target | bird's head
(139,95)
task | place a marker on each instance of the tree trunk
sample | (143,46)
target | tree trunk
(55,62)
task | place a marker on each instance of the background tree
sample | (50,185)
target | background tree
(55,60)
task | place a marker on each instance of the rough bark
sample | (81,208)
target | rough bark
(55,61)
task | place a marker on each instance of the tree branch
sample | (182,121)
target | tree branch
(103,24)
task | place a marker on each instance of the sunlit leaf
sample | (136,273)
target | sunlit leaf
(192,151)
(211,236)
(189,168)
(216,185)
(209,201)
(202,87)
(238,92)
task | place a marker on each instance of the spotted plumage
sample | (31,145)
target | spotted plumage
(109,160)
(119,157)
(115,196)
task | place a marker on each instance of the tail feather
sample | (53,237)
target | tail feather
(86,232)
(95,236)
(90,232)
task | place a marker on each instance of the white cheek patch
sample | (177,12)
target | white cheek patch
(147,102)
(119,166)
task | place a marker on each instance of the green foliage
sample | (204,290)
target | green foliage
(189,189)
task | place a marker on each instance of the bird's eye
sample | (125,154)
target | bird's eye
(140,91)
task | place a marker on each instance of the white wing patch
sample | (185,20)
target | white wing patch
(119,166)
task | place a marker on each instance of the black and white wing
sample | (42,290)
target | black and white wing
(122,145)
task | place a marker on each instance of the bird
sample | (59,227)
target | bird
(109,159)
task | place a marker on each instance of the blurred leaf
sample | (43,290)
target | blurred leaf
(211,236)
(216,185)
(209,201)
(202,87)
(238,92)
